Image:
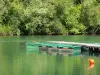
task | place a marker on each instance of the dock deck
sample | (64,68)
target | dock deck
(76,43)
(62,47)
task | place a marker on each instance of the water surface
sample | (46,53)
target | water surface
(14,60)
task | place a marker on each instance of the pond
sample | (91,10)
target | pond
(14,60)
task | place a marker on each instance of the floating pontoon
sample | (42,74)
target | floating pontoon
(63,48)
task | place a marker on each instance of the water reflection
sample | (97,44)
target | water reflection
(15,61)
(90,51)
(91,66)
(43,64)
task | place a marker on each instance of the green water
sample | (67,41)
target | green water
(14,60)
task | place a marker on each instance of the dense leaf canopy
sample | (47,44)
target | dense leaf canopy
(53,17)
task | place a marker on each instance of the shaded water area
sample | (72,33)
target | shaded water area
(14,60)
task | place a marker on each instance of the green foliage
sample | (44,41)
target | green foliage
(92,11)
(5,30)
(57,17)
